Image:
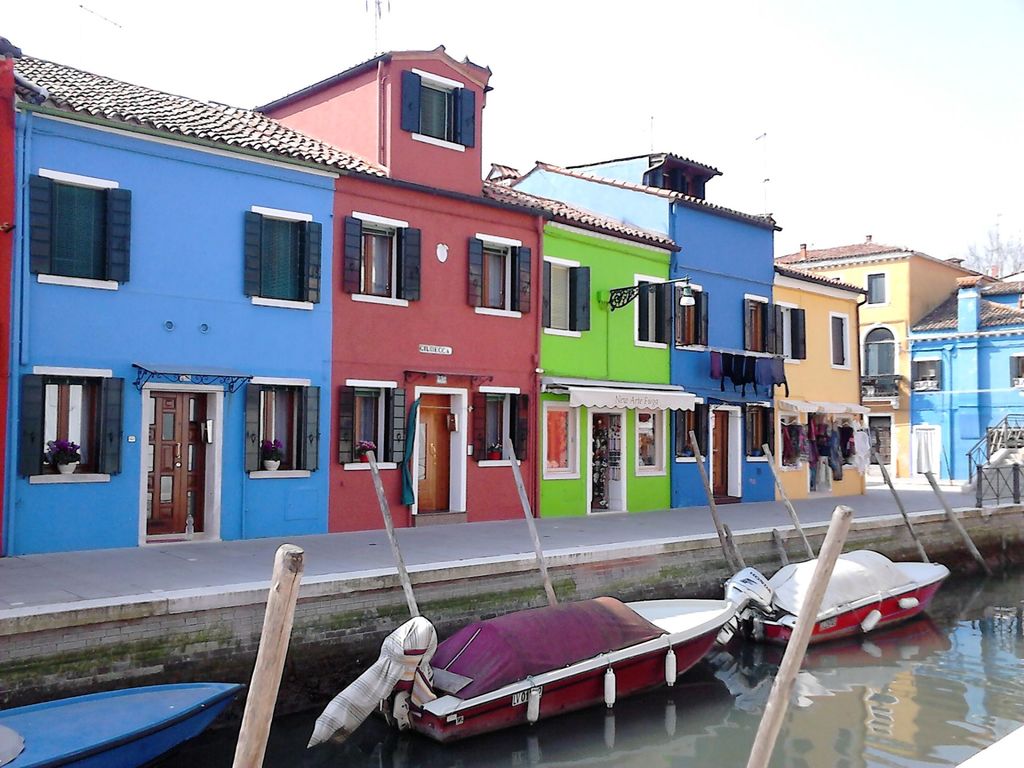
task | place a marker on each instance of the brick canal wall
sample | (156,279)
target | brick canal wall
(340,622)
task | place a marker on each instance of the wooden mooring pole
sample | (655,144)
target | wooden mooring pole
(782,688)
(899,504)
(729,549)
(389,525)
(785,499)
(510,451)
(780,547)
(955,522)
(266,676)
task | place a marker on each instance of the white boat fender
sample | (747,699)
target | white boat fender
(906,603)
(609,687)
(533,705)
(871,620)
(670,668)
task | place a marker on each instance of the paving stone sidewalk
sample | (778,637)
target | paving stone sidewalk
(53,579)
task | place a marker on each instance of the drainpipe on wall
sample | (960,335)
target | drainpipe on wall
(382,109)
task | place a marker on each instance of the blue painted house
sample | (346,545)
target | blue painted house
(169,317)
(728,257)
(967,375)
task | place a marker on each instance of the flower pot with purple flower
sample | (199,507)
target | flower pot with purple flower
(271,451)
(64,455)
(363,448)
(494,452)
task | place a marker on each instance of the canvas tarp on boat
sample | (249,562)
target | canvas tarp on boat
(499,651)
(857,575)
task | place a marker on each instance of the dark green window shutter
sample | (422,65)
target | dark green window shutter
(395,426)
(545,308)
(410,101)
(579,299)
(466,117)
(700,420)
(521,278)
(312,242)
(119,234)
(748,331)
(702,298)
(252,427)
(309,415)
(30,448)
(409,269)
(643,301)
(519,421)
(40,218)
(253,252)
(663,313)
(780,330)
(768,317)
(352,260)
(479,426)
(798,325)
(111,420)
(346,424)
(476,272)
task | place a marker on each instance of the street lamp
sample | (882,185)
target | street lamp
(622,297)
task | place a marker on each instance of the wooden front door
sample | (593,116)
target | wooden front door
(435,423)
(177,463)
(720,454)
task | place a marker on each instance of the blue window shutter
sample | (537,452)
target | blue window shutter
(313,245)
(396,426)
(579,299)
(309,448)
(522,272)
(30,448)
(111,409)
(252,427)
(352,259)
(476,272)
(409,268)
(40,217)
(410,101)
(119,234)
(479,433)
(253,252)
(467,117)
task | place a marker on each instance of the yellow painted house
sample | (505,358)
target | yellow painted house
(817,420)
(901,286)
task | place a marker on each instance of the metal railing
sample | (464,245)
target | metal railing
(998,483)
(880,385)
(1007,433)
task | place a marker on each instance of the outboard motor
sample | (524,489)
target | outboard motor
(749,586)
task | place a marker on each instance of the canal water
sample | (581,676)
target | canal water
(931,692)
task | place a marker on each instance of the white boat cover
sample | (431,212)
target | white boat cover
(858,575)
(405,655)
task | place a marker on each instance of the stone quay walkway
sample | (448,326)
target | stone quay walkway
(72,580)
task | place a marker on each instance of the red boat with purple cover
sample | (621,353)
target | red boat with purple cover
(531,665)
(867,591)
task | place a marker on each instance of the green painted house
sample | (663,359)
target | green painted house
(606,402)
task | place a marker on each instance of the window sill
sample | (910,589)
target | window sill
(555,475)
(78,282)
(497,312)
(58,479)
(651,344)
(259,301)
(650,472)
(365,465)
(496,463)
(791,361)
(692,347)
(563,332)
(840,367)
(368,298)
(278,474)
(757,458)
(686,459)
(438,142)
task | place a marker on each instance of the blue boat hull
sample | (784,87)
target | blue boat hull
(116,729)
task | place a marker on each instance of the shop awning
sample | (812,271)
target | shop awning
(815,406)
(644,399)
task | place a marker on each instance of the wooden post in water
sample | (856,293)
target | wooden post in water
(732,555)
(510,451)
(780,547)
(899,504)
(389,525)
(955,522)
(266,676)
(782,688)
(785,499)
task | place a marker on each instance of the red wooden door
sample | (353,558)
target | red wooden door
(720,454)
(176,483)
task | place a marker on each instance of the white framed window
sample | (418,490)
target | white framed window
(559,296)
(561,449)
(878,288)
(650,442)
(786,332)
(372,416)
(377,271)
(839,339)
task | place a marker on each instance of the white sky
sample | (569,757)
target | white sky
(903,119)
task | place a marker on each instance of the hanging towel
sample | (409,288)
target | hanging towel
(716,366)
(779,373)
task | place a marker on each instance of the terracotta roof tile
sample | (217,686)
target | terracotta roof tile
(654,158)
(993,314)
(1003,288)
(688,200)
(841,252)
(73,90)
(813,277)
(562,212)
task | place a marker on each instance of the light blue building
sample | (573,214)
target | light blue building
(967,359)
(168,319)
(728,257)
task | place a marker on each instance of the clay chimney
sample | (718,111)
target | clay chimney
(803,250)
(867,238)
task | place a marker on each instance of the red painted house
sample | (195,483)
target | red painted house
(436,311)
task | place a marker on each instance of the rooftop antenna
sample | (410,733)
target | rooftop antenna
(378,10)
(100,16)
(763,138)
(652,134)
